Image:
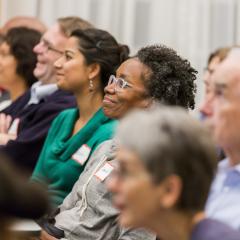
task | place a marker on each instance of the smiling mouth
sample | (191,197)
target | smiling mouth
(108,100)
(59,74)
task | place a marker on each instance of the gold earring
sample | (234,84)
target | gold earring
(90,85)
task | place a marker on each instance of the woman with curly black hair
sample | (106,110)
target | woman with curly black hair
(163,75)
(17,60)
(156,73)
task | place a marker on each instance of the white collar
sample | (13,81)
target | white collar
(40,91)
(224,166)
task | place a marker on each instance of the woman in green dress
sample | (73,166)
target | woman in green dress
(90,57)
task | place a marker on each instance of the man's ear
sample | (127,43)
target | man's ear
(169,191)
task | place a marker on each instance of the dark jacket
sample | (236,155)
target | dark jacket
(35,120)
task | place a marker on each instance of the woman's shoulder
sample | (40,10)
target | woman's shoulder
(105,132)
(107,127)
(65,114)
(68,111)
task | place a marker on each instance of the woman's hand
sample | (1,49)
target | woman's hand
(4,138)
(5,122)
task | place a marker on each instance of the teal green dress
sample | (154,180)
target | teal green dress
(64,156)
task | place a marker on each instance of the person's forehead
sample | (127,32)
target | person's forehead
(127,156)
(234,53)
(130,66)
(54,35)
(227,73)
(132,70)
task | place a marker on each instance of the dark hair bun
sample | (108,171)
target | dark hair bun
(99,46)
(123,52)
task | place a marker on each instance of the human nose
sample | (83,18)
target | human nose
(206,76)
(39,48)
(110,88)
(113,183)
(207,106)
(58,63)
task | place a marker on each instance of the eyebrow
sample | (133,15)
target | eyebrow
(46,41)
(70,51)
(125,77)
(210,70)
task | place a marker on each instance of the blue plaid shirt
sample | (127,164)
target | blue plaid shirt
(224,199)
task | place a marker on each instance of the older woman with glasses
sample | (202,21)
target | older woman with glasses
(156,73)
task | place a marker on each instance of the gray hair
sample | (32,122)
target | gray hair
(170,142)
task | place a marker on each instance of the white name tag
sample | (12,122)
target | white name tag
(104,171)
(14,127)
(82,154)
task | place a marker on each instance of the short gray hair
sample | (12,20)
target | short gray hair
(169,141)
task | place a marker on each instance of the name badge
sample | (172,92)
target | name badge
(104,171)
(82,154)
(14,127)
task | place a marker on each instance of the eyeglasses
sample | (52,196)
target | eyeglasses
(119,83)
(47,47)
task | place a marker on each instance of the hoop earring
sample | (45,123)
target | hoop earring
(90,85)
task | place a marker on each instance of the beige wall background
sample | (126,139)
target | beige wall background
(193,27)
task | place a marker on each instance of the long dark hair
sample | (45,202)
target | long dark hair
(21,41)
(99,46)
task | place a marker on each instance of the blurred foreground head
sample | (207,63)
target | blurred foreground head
(166,165)
(18,197)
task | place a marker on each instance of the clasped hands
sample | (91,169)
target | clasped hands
(5,124)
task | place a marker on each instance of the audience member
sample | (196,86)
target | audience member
(17,61)
(18,199)
(163,178)
(19,21)
(223,113)
(90,57)
(33,112)
(23,21)
(152,75)
(214,60)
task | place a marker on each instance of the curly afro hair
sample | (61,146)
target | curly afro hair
(171,78)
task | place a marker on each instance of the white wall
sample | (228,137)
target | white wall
(192,27)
